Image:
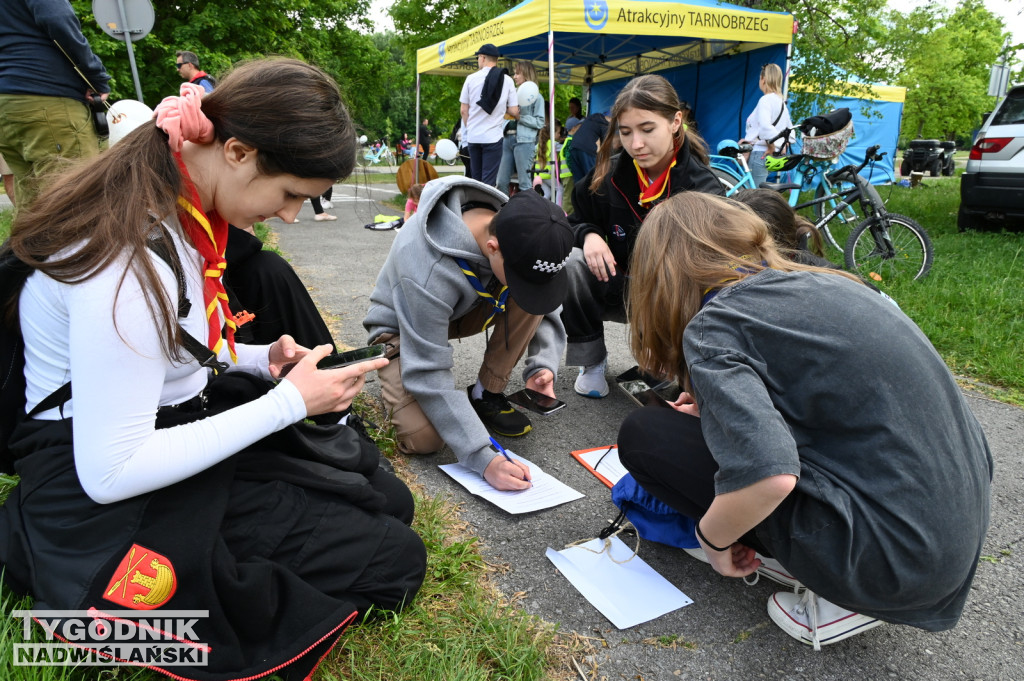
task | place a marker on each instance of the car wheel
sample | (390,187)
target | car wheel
(905,167)
(950,167)
(936,168)
(967,222)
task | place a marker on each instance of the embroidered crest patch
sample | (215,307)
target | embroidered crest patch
(143,580)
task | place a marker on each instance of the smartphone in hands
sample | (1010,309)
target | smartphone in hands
(343,359)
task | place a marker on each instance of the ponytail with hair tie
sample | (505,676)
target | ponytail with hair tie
(182,117)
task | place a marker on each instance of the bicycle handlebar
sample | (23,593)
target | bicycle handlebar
(870,156)
(784,133)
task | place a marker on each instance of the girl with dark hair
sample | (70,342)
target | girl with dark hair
(867,478)
(660,157)
(161,487)
(795,235)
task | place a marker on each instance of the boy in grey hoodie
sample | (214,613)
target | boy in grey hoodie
(469,260)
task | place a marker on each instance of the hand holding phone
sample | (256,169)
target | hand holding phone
(342,359)
(332,390)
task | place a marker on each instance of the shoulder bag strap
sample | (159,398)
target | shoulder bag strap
(781,111)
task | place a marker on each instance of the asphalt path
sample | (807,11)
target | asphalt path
(725,633)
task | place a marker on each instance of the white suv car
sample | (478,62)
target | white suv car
(992,186)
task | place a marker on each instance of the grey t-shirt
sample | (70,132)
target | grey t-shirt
(817,376)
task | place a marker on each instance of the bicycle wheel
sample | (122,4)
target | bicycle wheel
(836,231)
(903,252)
(728,180)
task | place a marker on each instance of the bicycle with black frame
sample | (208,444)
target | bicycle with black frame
(884,246)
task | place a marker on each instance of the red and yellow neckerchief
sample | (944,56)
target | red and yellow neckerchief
(652,191)
(209,235)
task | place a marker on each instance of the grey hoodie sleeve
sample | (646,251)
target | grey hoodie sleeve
(427,361)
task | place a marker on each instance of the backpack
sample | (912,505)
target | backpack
(826,123)
(654,520)
(13,275)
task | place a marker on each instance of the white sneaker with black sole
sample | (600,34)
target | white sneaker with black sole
(815,621)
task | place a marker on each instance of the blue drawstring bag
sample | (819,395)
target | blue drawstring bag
(654,520)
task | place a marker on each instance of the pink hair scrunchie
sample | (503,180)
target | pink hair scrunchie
(182,117)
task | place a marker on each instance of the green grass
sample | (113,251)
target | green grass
(969,304)
(6,218)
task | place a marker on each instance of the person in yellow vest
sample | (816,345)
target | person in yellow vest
(564,190)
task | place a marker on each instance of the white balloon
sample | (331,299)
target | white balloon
(446,149)
(124,116)
(528,93)
(362,139)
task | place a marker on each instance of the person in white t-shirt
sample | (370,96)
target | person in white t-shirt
(768,119)
(487,97)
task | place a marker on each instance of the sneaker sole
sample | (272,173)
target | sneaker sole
(593,394)
(852,625)
(507,434)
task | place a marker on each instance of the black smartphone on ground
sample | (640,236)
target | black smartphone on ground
(342,359)
(650,398)
(535,401)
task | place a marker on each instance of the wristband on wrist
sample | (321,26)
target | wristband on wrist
(705,540)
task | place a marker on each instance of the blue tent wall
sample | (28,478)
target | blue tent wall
(722,92)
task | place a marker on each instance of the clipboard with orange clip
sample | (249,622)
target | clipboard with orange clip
(602,462)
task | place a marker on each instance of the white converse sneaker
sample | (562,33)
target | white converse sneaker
(591,381)
(814,620)
(699,554)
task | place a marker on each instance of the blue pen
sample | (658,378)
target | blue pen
(501,450)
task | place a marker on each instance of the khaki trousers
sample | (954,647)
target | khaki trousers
(37,132)
(415,433)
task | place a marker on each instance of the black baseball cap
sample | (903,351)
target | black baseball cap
(535,241)
(488,49)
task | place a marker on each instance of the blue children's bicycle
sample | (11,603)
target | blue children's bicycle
(379,153)
(879,245)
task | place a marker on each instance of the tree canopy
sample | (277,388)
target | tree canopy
(942,57)
(946,73)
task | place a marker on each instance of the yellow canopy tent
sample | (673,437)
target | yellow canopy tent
(586,42)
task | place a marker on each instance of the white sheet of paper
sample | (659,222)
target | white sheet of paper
(609,466)
(545,492)
(627,593)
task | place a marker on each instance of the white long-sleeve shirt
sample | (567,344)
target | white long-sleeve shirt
(759,122)
(111,354)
